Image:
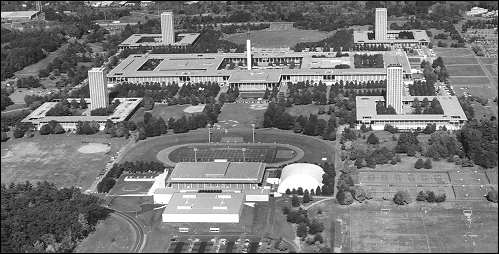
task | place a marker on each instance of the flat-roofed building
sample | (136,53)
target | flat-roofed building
(394,87)
(19,16)
(97,83)
(453,117)
(204,207)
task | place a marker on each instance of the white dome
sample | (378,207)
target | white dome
(305,175)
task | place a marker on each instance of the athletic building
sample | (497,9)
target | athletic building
(390,38)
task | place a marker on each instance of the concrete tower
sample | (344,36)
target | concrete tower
(97,84)
(167,30)
(381,24)
(248,53)
(394,87)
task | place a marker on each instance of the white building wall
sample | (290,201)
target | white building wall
(167,29)
(216,218)
(259,197)
(97,83)
(394,87)
(381,24)
(162,198)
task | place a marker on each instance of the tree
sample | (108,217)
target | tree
(373,139)
(440,198)
(300,191)
(344,197)
(492,196)
(419,164)
(58,129)
(306,197)
(83,103)
(295,201)
(288,192)
(318,191)
(315,227)
(4,136)
(301,230)
(427,164)
(421,196)
(401,198)
(45,130)
(430,196)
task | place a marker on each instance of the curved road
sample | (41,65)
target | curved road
(139,232)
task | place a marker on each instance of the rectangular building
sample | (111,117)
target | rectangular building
(204,207)
(97,83)
(381,24)
(394,87)
(167,29)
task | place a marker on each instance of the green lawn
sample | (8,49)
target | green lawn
(163,110)
(111,235)
(241,115)
(450,60)
(460,52)
(54,158)
(306,110)
(280,39)
(469,80)
(465,70)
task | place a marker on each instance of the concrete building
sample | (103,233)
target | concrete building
(167,30)
(390,38)
(394,87)
(381,24)
(305,175)
(97,83)
(19,16)
(204,207)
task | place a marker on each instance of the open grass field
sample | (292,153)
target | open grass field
(492,68)
(278,39)
(241,115)
(314,148)
(470,81)
(457,52)
(465,70)
(488,60)
(475,89)
(18,96)
(111,235)
(55,158)
(33,69)
(163,110)
(450,60)
(442,228)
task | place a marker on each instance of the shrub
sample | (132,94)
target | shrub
(421,196)
(419,163)
(440,198)
(492,196)
(295,202)
(315,227)
(430,196)
(4,136)
(344,197)
(373,139)
(105,185)
(45,130)
(427,164)
(288,192)
(401,198)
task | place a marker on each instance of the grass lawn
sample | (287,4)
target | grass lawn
(477,90)
(15,106)
(492,68)
(450,60)
(279,39)
(408,228)
(468,80)
(130,187)
(461,52)
(314,148)
(465,70)
(33,69)
(488,60)
(482,112)
(18,95)
(54,158)
(130,204)
(241,115)
(111,235)
(163,110)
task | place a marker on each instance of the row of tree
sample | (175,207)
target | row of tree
(368,61)
(127,167)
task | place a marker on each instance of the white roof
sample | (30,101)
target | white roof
(305,175)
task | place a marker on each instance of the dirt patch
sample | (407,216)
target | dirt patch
(94,148)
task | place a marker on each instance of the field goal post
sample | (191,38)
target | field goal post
(385,211)
(467,214)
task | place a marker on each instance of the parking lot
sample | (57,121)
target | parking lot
(214,244)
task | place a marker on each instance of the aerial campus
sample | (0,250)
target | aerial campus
(249,127)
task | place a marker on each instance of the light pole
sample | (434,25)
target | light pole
(244,157)
(209,132)
(195,154)
(253,131)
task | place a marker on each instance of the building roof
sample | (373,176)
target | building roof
(419,36)
(17,14)
(305,175)
(366,109)
(185,39)
(217,172)
(208,64)
(205,203)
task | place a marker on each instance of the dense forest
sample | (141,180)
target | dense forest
(44,218)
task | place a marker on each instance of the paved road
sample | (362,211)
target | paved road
(13,110)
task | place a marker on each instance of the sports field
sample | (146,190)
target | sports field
(233,153)
(314,148)
(237,115)
(450,60)
(465,70)
(278,39)
(56,159)
(417,227)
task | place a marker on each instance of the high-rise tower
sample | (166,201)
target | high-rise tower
(394,87)
(381,24)
(97,84)
(248,53)
(167,30)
